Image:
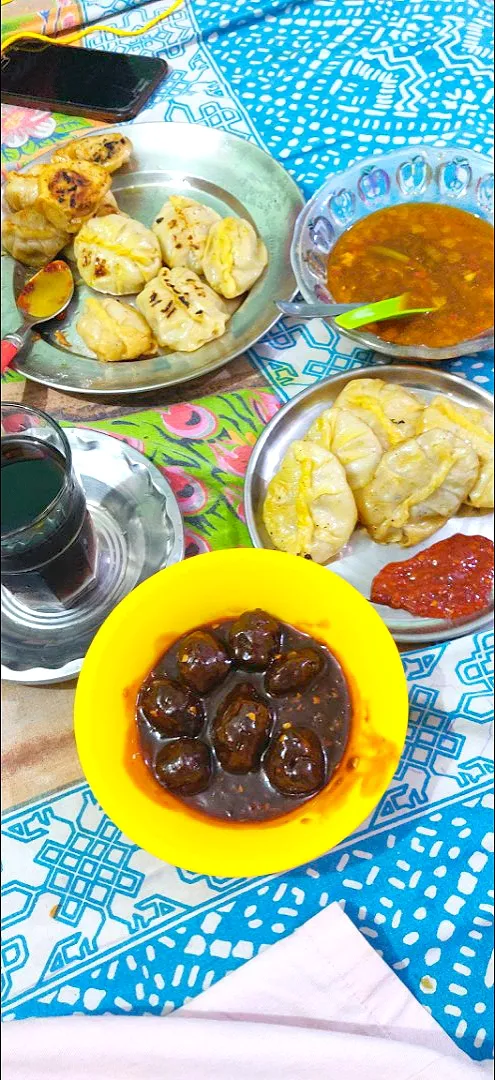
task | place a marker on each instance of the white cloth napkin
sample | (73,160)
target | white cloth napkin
(319,1005)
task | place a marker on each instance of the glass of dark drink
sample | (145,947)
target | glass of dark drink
(48,543)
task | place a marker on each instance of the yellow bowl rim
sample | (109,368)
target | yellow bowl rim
(205,845)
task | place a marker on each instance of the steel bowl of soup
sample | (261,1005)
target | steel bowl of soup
(418,223)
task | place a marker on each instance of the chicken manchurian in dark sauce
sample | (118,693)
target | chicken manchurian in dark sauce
(245,719)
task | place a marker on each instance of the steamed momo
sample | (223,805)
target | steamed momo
(309,507)
(182,228)
(113,330)
(475,426)
(417,487)
(234,257)
(107,206)
(31,239)
(351,440)
(21,189)
(390,411)
(182,311)
(116,254)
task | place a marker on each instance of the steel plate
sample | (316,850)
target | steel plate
(362,558)
(227,173)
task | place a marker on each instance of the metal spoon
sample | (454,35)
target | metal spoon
(302,310)
(352,316)
(43,297)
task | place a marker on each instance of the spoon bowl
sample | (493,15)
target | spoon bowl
(42,297)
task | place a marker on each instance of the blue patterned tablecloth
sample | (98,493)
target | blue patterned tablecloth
(92,924)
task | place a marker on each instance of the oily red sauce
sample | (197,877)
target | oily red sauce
(244,720)
(448,580)
(439,255)
(49,290)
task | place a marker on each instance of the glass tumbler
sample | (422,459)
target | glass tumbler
(48,543)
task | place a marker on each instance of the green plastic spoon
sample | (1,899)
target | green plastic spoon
(351,316)
(377,312)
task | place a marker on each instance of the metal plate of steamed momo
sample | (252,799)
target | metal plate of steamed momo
(228,173)
(361,559)
(139,530)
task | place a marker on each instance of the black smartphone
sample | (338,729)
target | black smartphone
(80,82)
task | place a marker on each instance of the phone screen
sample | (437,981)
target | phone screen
(86,80)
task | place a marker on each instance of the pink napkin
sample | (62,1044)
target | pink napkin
(320,1005)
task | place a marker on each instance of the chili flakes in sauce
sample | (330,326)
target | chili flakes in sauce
(451,579)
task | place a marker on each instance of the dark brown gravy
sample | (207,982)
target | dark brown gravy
(323,706)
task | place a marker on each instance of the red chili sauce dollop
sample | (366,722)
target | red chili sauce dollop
(448,580)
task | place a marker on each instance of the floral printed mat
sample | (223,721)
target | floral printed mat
(203,449)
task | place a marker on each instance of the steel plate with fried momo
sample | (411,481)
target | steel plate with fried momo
(183,312)
(309,507)
(110,152)
(417,487)
(70,194)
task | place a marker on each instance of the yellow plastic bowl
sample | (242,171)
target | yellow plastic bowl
(201,590)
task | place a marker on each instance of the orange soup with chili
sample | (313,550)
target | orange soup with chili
(440,255)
